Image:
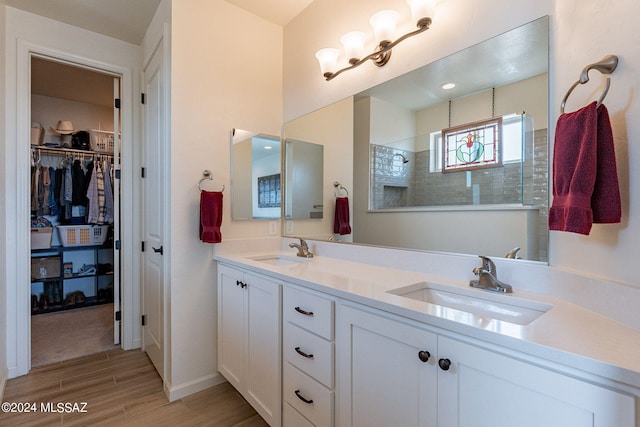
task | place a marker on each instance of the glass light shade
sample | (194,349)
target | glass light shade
(422,9)
(353,43)
(384,24)
(328,59)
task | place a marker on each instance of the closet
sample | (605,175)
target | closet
(73,199)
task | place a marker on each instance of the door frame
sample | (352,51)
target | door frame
(159,49)
(19,297)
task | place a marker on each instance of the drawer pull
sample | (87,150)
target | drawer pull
(444,364)
(301,311)
(303,354)
(307,401)
(424,356)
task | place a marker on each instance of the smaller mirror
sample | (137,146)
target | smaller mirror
(303,168)
(255,175)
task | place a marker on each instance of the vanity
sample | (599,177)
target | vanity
(347,339)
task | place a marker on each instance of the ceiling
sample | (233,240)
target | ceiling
(128,19)
(507,58)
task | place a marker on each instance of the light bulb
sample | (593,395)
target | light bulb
(421,9)
(328,59)
(384,25)
(353,43)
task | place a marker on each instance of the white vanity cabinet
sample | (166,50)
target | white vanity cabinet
(385,378)
(308,358)
(249,339)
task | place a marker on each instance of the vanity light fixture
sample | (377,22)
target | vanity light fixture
(384,28)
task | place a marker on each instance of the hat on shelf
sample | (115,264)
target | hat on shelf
(64,127)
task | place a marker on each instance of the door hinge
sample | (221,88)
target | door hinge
(116,103)
(142,246)
(142,98)
(117,173)
(117,245)
(142,171)
(144,319)
(118,316)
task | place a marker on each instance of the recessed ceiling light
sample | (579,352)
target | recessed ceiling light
(268,147)
(448,86)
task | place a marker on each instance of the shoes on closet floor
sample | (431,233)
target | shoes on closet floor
(86,270)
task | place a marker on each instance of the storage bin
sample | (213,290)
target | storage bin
(82,235)
(41,238)
(45,268)
(102,141)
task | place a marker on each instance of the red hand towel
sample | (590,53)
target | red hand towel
(341,219)
(210,216)
(574,170)
(605,202)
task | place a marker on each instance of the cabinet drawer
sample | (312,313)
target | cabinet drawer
(309,353)
(309,311)
(318,407)
(292,418)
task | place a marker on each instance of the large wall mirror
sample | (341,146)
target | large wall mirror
(255,175)
(461,170)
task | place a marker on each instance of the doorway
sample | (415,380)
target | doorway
(74,210)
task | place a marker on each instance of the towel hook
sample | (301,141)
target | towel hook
(606,65)
(339,187)
(207,175)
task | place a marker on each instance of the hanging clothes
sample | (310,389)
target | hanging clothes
(108,194)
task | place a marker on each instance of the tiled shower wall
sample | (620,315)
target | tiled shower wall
(398,184)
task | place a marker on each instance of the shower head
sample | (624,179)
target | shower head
(404,159)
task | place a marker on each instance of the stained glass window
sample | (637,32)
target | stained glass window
(472,146)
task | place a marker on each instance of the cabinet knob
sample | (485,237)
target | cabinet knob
(301,311)
(307,401)
(424,355)
(303,354)
(241,284)
(444,364)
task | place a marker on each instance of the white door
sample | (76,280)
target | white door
(231,325)
(153,219)
(262,353)
(482,388)
(116,217)
(386,372)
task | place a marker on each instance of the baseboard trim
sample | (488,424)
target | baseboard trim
(174,393)
(3,384)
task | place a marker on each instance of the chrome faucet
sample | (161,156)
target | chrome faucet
(488,277)
(303,249)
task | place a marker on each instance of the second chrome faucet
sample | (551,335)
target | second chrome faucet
(488,277)
(303,249)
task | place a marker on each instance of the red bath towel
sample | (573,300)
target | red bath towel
(210,216)
(605,201)
(585,179)
(341,219)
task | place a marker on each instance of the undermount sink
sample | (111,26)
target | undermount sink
(500,307)
(277,259)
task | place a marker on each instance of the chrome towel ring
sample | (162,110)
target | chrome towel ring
(206,175)
(606,65)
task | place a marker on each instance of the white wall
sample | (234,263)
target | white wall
(226,72)
(3,238)
(582,32)
(26,33)
(331,127)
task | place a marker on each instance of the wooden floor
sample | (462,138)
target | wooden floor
(120,388)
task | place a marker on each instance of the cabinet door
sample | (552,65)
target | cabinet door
(482,388)
(262,355)
(381,379)
(231,325)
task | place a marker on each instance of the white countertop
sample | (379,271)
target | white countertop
(566,334)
